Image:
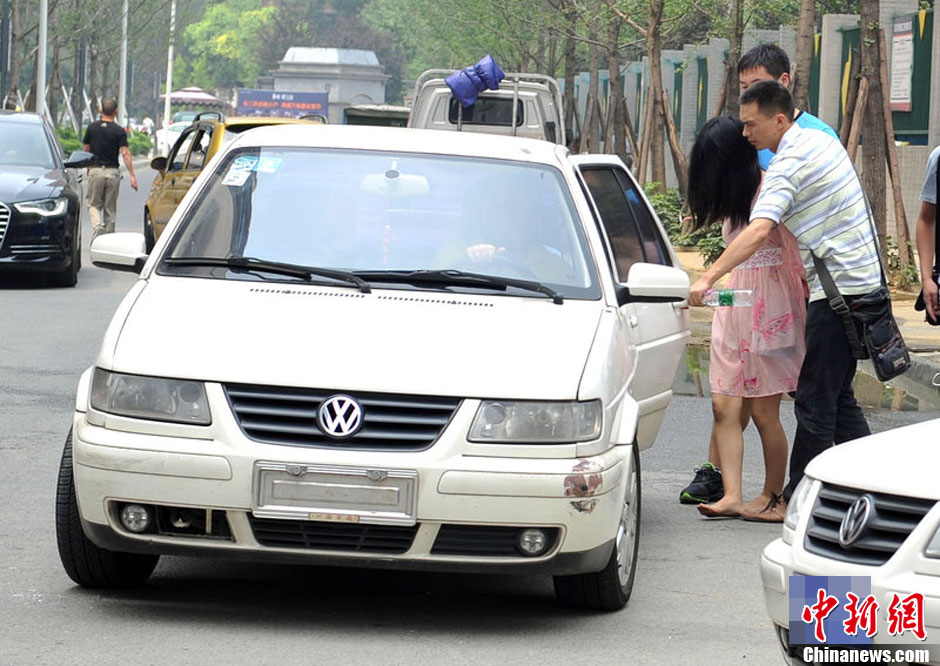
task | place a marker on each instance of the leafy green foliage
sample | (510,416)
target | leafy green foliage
(900,275)
(139,143)
(668,205)
(69,140)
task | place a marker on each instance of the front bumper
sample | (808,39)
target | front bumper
(907,572)
(31,243)
(460,488)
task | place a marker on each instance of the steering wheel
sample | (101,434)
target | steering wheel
(500,265)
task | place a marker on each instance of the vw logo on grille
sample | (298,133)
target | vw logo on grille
(340,416)
(855,520)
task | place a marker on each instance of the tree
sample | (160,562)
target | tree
(874,153)
(805,41)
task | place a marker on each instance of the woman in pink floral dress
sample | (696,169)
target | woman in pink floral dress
(756,351)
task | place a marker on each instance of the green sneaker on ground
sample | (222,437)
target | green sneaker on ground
(706,486)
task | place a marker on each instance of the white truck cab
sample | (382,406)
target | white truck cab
(536,99)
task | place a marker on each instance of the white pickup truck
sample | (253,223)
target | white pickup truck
(536,99)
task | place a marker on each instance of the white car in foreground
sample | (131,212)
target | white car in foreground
(870,508)
(387,348)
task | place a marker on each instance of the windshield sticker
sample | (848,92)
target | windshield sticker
(244,163)
(240,170)
(236,178)
(268,164)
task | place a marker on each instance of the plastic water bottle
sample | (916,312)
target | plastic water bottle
(729,298)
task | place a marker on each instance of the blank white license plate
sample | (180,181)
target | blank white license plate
(334,494)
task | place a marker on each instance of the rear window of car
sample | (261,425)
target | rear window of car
(361,210)
(487,111)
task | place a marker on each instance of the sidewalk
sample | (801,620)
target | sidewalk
(922,339)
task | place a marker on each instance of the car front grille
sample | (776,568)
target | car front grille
(892,519)
(484,540)
(4,220)
(35,250)
(288,417)
(314,535)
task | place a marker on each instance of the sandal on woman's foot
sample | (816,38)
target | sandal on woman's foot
(774,512)
(709,511)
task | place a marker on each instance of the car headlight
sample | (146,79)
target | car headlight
(154,398)
(43,207)
(933,548)
(537,422)
(798,505)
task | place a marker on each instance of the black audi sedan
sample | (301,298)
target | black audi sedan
(40,201)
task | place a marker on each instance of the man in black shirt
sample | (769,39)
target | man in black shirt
(104,139)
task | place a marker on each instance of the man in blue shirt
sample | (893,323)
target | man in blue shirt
(926,228)
(769,62)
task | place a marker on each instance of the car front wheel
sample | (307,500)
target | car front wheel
(84,562)
(609,589)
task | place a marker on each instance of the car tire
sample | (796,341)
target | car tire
(84,562)
(609,589)
(149,239)
(68,277)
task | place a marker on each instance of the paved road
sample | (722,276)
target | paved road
(697,598)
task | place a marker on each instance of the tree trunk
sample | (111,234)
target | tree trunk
(16,49)
(55,85)
(873,129)
(571,19)
(805,41)
(733,88)
(657,117)
(900,217)
(615,123)
(592,128)
(858,119)
(678,157)
(850,100)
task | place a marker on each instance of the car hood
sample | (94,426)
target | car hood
(902,461)
(402,341)
(19,183)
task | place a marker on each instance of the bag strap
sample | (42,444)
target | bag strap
(839,306)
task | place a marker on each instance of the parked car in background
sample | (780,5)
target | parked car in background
(41,201)
(398,348)
(166,137)
(868,508)
(196,144)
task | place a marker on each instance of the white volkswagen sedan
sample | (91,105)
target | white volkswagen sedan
(867,508)
(386,348)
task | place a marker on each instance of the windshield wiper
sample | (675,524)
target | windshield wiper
(457,278)
(247,264)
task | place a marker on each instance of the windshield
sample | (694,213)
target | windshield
(376,213)
(23,144)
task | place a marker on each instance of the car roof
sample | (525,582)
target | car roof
(20,117)
(240,123)
(401,139)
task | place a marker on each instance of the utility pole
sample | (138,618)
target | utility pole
(6,25)
(41,57)
(169,66)
(122,81)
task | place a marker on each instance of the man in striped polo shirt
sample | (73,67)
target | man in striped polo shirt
(812,187)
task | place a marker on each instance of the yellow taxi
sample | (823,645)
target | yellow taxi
(197,144)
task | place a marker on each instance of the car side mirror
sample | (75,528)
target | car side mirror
(122,251)
(654,283)
(158,163)
(79,159)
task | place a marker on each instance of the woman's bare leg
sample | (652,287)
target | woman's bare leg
(729,444)
(766,414)
(714,457)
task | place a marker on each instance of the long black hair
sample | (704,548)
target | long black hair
(723,174)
